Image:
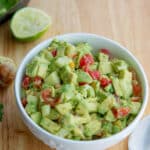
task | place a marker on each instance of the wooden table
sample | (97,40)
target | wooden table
(126,21)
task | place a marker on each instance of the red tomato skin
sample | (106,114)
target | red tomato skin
(105,51)
(104,82)
(55,102)
(121,112)
(82,83)
(25,82)
(85,60)
(54,52)
(38,82)
(94,74)
(46,94)
(136,89)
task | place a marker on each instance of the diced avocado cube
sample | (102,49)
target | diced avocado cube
(87,91)
(62,132)
(67,75)
(103,57)
(53,78)
(70,50)
(101,94)
(81,108)
(83,48)
(110,116)
(117,86)
(117,126)
(82,119)
(54,114)
(92,106)
(64,108)
(105,67)
(45,54)
(119,65)
(123,86)
(135,107)
(78,132)
(42,70)
(92,128)
(106,104)
(126,84)
(109,88)
(61,51)
(31,108)
(32,68)
(107,127)
(36,117)
(49,125)
(94,66)
(45,109)
(69,122)
(62,61)
(67,92)
(83,77)
(33,100)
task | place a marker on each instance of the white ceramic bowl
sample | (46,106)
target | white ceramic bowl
(65,144)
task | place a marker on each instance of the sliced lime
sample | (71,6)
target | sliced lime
(29,23)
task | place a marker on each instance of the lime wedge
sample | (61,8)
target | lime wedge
(29,24)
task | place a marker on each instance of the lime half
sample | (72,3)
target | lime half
(29,23)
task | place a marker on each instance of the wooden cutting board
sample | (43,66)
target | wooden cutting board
(126,21)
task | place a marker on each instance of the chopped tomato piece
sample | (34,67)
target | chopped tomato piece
(24,102)
(94,74)
(105,51)
(48,99)
(121,112)
(25,82)
(104,82)
(86,68)
(136,89)
(54,52)
(38,82)
(82,83)
(87,59)
(54,102)
(136,99)
(46,95)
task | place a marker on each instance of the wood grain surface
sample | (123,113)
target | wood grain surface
(126,21)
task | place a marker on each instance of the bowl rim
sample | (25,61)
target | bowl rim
(120,134)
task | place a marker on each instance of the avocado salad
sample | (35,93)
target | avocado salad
(76,94)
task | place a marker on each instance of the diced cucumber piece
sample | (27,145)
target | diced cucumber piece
(92,128)
(119,65)
(106,105)
(105,67)
(32,99)
(36,117)
(135,107)
(42,70)
(62,132)
(49,125)
(54,114)
(110,116)
(62,61)
(83,77)
(31,108)
(45,109)
(103,57)
(53,79)
(64,108)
